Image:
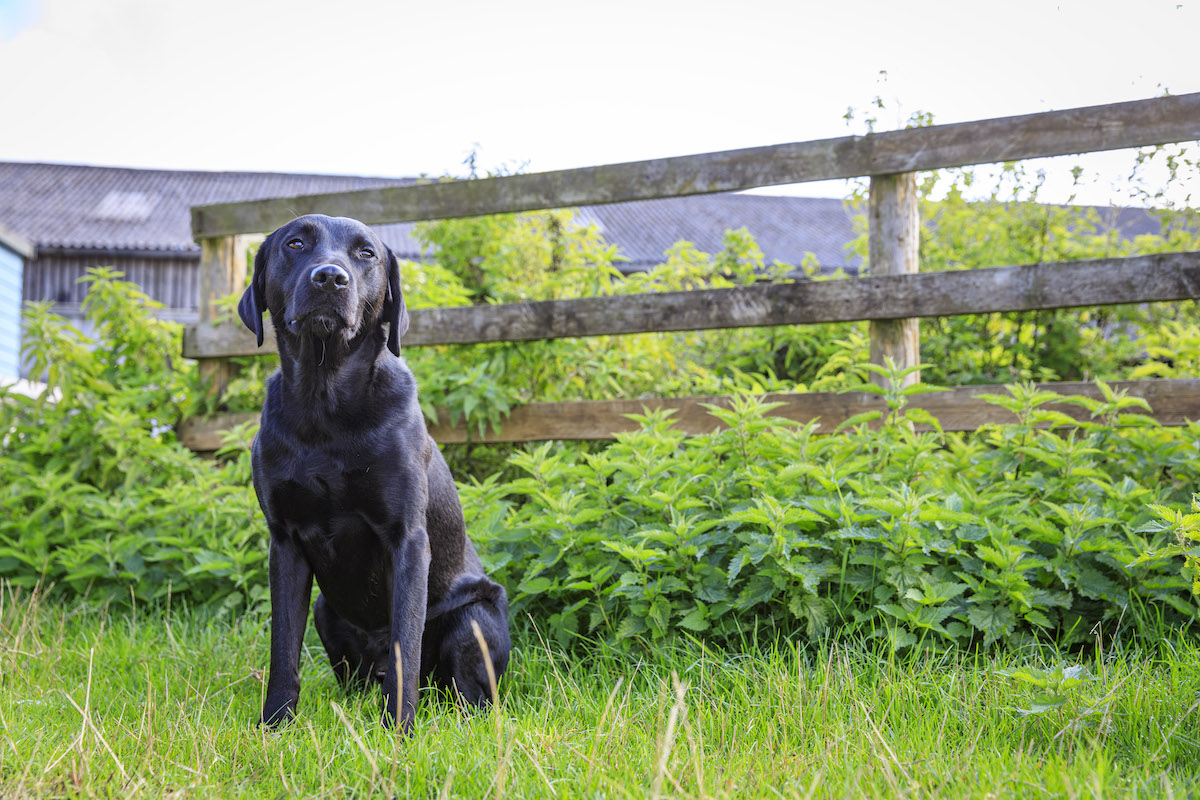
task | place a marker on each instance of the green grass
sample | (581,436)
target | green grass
(107,703)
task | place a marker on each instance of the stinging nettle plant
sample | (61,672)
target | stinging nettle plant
(890,528)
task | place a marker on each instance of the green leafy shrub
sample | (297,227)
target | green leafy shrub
(98,497)
(1181,531)
(890,527)
(901,531)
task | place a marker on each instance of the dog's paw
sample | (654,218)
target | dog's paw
(387,718)
(277,716)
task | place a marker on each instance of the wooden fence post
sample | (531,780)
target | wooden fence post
(894,226)
(224,269)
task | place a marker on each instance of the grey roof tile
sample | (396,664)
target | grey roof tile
(786,228)
(69,206)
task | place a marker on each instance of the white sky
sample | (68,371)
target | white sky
(406,88)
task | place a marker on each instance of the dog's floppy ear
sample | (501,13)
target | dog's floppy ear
(395,313)
(253,302)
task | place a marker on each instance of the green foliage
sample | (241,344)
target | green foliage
(966,225)
(1181,533)
(98,496)
(1054,688)
(892,529)
(550,256)
(1172,349)
(528,257)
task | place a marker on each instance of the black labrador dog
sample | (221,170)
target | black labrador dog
(354,490)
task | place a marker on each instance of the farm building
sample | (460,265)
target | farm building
(14,251)
(65,218)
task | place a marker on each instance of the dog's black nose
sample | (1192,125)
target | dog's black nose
(330,278)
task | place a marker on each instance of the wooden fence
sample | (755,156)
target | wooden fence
(893,297)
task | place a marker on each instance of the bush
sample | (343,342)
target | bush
(99,498)
(919,538)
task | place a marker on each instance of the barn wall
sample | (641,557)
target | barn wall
(11,267)
(172,281)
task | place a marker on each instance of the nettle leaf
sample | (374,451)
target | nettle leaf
(1043,702)
(537,585)
(760,589)
(971,533)
(1096,585)
(696,619)
(995,621)
(922,417)
(935,514)
(810,574)
(636,554)
(899,638)
(932,617)
(859,419)
(1034,676)
(1052,418)
(753,516)
(1038,618)
(713,586)
(937,592)
(735,566)
(857,532)
(659,615)
(631,578)
(631,626)
(587,515)
(921,388)
(597,617)
(887,505)
(812,610)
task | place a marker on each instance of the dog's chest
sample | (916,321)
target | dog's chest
(337,499)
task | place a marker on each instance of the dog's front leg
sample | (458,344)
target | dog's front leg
(410,588)
(291,589)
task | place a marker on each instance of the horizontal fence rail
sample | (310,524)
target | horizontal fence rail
(1110,281)
(1137,123)
(1174,402)
(892,299)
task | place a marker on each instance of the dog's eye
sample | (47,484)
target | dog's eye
(296,244)
(366,252)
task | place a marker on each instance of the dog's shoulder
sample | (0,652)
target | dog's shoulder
(392,374)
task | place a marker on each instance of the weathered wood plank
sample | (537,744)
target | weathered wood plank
(1109,127)
(1111,281)
(223,269)
(1174,402)
(894,228)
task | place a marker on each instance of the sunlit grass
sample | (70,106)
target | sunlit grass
(119,704)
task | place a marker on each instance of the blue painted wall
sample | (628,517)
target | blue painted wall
(11,267)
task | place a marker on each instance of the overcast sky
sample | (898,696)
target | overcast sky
(401,88)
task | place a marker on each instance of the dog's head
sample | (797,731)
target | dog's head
(328,277)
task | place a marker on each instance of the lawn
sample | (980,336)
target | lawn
(148,703)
